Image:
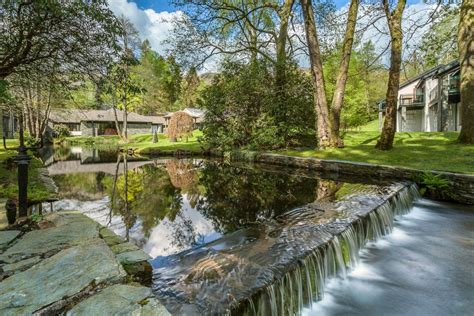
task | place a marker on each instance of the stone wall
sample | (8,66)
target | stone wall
(461,186)
(88,128)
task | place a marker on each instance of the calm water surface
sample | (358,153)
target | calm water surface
(166,206)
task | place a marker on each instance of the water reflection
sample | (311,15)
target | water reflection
(168,205)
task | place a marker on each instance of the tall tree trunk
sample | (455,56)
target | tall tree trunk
(125,109)
(280,65)
(338,96)
(28,109)
(44,122)
(466,60)
(394,20)
(323,123)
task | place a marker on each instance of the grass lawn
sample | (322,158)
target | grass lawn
(37,191)
(143,143)
(425,151)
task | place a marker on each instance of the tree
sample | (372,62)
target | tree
(180,125)
(439,46)
(123,86)
(328,118)
(35,95)
(394,19)
(78,35)
(323,124)
(364,86)
(189,89)
(171,80)
(248,30)
(338,97)
(466,53)
(240,103)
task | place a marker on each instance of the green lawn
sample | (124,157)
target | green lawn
(37,191)
(143,143)
(425,151)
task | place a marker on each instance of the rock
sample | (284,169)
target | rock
(110,237)
(121,300)
(136,264)
(7,237)
(131,257)
(60,278)
(124,247)
(71,229)
(20,265)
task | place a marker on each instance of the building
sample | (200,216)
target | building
(8,123)
(196,114)
(102,122)
(429,102)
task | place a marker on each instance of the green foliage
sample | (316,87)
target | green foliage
(61,131)
(37,190)
(241,107)
(83,96)
(365,85)
(433,182)
(36,218)
(439,45)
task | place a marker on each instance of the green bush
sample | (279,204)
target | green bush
(246,109)
(61,131)
(431,183)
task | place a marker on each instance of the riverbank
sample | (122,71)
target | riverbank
(144,145)
(422,151)
(39,189)
(87,269)
(439,185)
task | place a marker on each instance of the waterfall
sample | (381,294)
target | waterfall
(304,284)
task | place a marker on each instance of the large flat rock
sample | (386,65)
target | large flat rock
(121,300)
(59,277)
(7,237)
(69,229)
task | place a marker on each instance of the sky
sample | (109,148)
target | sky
(153,20)
(164,5)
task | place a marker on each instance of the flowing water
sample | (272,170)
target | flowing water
(232,238)
(424,267)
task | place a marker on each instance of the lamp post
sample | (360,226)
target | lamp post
(22,159)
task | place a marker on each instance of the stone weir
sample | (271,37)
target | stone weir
(278,266)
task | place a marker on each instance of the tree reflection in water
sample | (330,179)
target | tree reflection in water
(195,201)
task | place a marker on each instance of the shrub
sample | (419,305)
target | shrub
(61,131)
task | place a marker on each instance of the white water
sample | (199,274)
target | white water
(306,283)
(424,267)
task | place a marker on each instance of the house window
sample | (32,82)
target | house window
(73,127)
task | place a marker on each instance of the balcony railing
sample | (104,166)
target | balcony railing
(412,101)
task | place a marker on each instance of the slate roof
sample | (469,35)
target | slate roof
(193,112)
(77,116)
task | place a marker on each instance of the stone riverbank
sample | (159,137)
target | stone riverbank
(72,265)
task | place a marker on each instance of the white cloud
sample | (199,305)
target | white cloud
(152,25)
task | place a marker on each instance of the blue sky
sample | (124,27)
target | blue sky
(164,5)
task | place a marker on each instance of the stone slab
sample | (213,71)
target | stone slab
(131,257)
(124,247)
(21,265)
(59,277)
(121,300)
(7,237)
(110,237)
(69,229)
